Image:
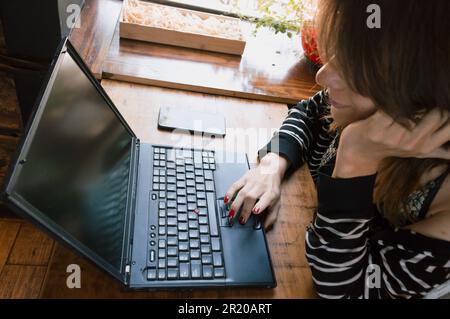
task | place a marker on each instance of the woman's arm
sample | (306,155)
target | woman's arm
(304,135)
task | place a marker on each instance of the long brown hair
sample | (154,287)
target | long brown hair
(404,67)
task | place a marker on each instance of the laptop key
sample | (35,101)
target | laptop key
(171,212)
(162,243)
(171,195)
(191,191)
(182,208)
(204,239)
(162,231)
(190,183)
(183,246)
(181,200)
(196,269)
(182,227)
(184,270)
(193,224)
(201,195)
(161,274)
(172,262)
(151,274)
(193,233)
(195,254)
(162,213)
(190,175)
(184,256)
(206,259)
(192,215)
(203,220)
(162,194)
(204,229)
(171,187)
(170,172)
(183,235)
(172,231)
(209,185)
(171,204)
(194,243)
(172,221)
(207,271)
(206,249)
(215,243)
(181,192)
(219,272)
(212,215)
(172,273)
(172,251)
(217,258)
(200,187)
(161,253)
(201,203)
(172,241)
(161,263)
(182,217)
(170,164)
(208,175)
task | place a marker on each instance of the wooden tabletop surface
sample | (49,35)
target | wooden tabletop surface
(139,104)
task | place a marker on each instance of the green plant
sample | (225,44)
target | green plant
(282,16)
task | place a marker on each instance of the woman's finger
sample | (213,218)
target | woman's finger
(441,153)
(247,206)
(264,202)
(234,189)
(441,136)
(272,216)
(237,203)
(431,122)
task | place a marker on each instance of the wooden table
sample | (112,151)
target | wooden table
(139,105)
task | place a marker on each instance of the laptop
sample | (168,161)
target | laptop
(152,216)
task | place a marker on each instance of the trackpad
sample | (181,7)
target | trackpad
(246,256)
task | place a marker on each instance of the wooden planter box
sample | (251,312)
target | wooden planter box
(181,38)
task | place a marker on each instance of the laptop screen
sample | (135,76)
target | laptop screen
(78,164)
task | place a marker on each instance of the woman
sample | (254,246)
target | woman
(376,143)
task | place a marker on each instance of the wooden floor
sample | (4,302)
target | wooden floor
(24,257)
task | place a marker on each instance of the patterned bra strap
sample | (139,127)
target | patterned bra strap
(432,194)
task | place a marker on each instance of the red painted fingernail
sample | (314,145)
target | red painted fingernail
(257,210)
(241,220)
(232,213)
(226,199)
(197,211)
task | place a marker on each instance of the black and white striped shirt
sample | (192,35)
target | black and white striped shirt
(352,251)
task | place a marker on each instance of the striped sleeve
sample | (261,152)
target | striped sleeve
(347,262)
(304,135)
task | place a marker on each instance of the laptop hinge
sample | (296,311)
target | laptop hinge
(129,222)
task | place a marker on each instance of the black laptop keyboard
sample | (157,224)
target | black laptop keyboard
(187,244)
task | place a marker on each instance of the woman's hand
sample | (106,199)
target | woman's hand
(258,189)
(364,144)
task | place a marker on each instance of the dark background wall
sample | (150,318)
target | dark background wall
(32,31)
